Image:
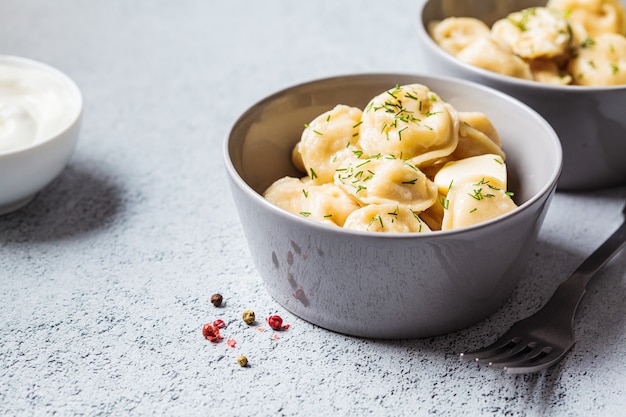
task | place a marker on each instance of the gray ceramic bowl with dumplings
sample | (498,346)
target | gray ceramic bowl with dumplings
(590,121)
(387,285)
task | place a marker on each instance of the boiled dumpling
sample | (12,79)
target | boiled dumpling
(326,142)
(386,218)
(410,123)
(453,34)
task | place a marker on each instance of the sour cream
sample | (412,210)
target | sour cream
(35,104)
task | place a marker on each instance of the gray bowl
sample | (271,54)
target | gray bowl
(387,285)
(590,121)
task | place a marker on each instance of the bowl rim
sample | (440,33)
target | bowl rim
(70,85)
(429,42)
(548,188)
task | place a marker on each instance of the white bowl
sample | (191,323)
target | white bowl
(377,284)
(28,168)
(590,121)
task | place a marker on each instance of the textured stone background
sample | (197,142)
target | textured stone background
(105,277)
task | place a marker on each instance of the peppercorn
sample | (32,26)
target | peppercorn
(217,299)
(276,323)
(249,317)
(219,323)
(212,333)
(242,361)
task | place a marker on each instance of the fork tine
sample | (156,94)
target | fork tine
(501,346)
(526,353)
(538,364)
(521,348)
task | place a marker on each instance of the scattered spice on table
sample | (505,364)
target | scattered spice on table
(212,333)
(217,299)
(276,322)
(249,317)
(242,361)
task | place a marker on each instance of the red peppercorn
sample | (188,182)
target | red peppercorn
(210,332)
(219,323)
(276,323)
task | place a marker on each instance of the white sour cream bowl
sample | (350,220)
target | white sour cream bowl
(40,115)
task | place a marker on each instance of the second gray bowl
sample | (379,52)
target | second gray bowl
(590,121)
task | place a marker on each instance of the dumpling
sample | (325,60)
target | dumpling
(327,203)
(433,215)
(469,203)
(477,136)
(481,122)
(493,54)
(534,33)
(473,190)
(453,34)
(286,193)
(547,71)
(410,123)
(326,142)
(483,168)
(601,61)
(386,218)
(386,179)
(596,16)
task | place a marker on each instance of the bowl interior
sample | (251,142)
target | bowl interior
(260,143)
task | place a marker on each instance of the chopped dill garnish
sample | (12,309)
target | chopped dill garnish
(378,219)
(588,42)
(445,203)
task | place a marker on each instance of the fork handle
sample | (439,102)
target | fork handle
(569,293)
